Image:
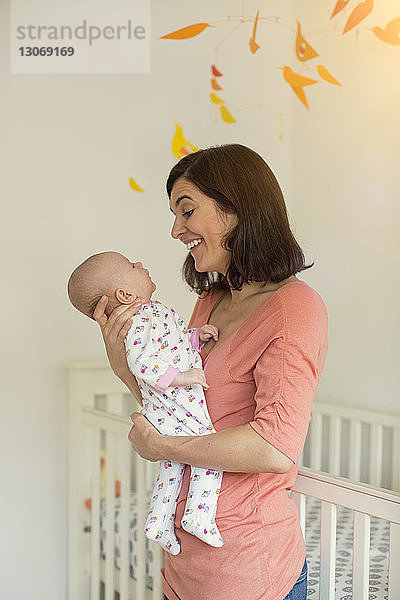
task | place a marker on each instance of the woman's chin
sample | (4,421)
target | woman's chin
(199,267)
(202,267)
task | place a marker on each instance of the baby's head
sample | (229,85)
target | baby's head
(110,274)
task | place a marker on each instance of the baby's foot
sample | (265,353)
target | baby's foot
(205,529)
(201,506)
(163,534)
(159,525)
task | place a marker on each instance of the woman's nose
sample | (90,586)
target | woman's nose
(177,229)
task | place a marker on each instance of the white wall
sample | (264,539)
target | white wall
(346,189)
(68,147)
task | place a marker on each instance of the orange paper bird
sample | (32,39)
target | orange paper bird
(215,71)
(360,12)
(186,32)
(303,49)
(226,115)
(180,146)
(215,85)
(340,5)
(252,42)
(297,82)
(391,33)
(324,74)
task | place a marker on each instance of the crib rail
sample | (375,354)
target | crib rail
(363,445)
(116,428)
(364,501)
(98,418)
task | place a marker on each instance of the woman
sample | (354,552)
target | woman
(263,372)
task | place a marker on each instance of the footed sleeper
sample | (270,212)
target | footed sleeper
(158,346)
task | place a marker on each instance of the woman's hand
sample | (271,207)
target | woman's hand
(145,438)
(114,330)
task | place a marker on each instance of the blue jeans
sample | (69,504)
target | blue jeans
(298,591)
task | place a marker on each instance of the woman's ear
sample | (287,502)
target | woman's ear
(124,297)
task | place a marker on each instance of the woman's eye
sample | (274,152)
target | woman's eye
(188,213)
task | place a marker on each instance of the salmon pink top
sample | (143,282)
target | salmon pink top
(264,373)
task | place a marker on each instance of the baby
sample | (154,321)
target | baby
(163,355)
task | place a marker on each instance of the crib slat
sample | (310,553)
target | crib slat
(355,450)
(316,441)
(110,515)
(375,463)
(328,551)
(95,523)
(158,561)
(140,472)
(396,461)
(125,451)
(151,470)
(300,500)
(361,543)
(149,475)
(335,434)
(394,560)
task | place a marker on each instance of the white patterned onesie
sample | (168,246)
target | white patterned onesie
(158,346)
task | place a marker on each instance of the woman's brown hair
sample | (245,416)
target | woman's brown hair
(262,245)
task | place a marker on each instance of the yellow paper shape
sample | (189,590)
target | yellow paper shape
(324,74)
(297,82)
(215,99)
(303,49)
(340,5)
(391,33)
(215,85)
(252,42)
(186,32)
(134,185)
(226,115)
(180,146)
(360,12)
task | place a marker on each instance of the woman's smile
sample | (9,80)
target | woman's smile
(192,245)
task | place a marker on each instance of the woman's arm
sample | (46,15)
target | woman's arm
(130,381)
(237,449)
(114,329)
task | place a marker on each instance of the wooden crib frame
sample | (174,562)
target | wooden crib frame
(99,408)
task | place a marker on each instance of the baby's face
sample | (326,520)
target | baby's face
(135,279)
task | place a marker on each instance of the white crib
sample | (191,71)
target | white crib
(109,556)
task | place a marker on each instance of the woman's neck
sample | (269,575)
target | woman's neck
(236,297)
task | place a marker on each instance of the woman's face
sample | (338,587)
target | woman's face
(198,220)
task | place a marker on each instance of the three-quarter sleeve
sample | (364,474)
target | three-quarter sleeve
(286,376)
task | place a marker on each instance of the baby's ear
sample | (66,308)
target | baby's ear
(124,297)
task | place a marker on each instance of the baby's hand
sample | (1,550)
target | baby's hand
(190,376)
(207,332)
